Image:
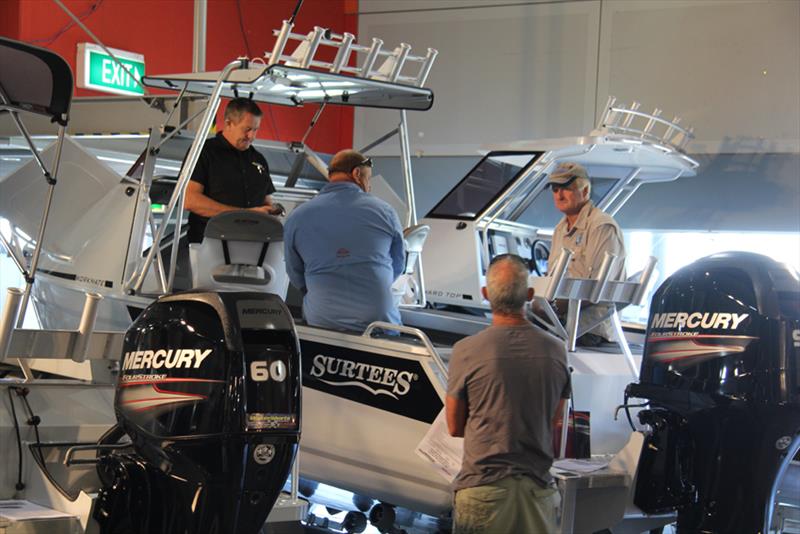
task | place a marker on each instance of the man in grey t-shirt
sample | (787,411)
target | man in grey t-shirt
(506,386)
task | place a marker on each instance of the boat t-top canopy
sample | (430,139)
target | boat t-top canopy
(381,79)
(34,80)
(294,86)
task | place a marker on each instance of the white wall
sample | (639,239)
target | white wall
(511,70)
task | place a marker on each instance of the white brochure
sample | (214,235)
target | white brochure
(443,451)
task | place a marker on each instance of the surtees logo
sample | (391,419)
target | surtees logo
(715,320)
(395,382)
(168,359)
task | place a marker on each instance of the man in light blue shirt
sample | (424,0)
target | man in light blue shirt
(344,248)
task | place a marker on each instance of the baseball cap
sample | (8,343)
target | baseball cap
(565,173)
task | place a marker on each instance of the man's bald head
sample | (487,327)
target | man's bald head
(507,285)
(351,166)
(345,161)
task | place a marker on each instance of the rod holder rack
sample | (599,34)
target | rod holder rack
(651,127)
(390,70)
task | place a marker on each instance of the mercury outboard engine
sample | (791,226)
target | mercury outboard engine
(721,373)
(209,394)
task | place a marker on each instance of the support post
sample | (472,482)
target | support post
(199,37)
(8,319)
(562,452)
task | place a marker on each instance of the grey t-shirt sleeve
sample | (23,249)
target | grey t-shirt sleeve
(456,379)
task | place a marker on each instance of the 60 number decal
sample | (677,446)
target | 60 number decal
(263,371)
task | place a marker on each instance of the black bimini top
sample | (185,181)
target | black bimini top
(293,86)
(34,80)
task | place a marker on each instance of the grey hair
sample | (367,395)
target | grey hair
(507,292)
(581,182)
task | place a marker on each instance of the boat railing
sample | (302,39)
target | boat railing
(630,121)
(411,331)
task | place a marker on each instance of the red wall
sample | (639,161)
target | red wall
(9,19)
(162,31)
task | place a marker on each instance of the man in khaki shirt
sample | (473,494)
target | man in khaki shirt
(588,232)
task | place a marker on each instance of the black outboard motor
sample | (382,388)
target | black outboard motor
(721,372)
(209,393)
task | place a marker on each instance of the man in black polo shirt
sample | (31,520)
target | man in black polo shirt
(230,173)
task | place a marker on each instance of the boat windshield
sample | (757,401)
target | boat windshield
(489,179)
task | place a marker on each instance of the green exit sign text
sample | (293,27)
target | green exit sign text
(97,70)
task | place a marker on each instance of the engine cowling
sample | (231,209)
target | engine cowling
(721,373)
(209,393)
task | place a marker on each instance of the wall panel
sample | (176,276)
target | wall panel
(730,68)
(503,73)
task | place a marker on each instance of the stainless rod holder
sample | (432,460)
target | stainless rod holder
(609,115)
(280,42)
(425,70)
(603,274)
(86,326)
(399,60)
(372,57)
(651,122)
(644,281)
(314,38)
(343,55)
(557,275)
(630,116)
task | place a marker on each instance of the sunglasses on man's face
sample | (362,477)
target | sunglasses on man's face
(555,188)
(366,163)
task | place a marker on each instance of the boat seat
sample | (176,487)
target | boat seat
(405,287)
(241,250)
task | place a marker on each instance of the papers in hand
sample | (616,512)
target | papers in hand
(576,465)
(441,450)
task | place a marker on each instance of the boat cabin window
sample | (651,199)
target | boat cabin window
(489,179)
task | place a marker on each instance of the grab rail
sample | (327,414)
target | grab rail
(416,332)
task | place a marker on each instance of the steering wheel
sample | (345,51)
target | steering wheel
(540,251)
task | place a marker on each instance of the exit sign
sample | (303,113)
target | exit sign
(97,70)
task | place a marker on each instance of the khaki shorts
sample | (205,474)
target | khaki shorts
(513,505)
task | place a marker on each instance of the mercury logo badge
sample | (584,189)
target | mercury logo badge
(394,382)
(263,453)
(708,320)
(260,311)
(166,358)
